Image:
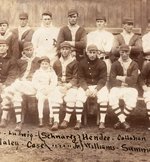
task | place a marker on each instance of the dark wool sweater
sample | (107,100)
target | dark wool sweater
(92,73)
(71,71)
(8,70)
(22,66)
(80,39)
(117,70)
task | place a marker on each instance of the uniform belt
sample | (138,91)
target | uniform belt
(104,57)
(147,59)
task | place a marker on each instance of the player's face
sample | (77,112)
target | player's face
(124,55)
(3,49)
(3,28)
(28,52)
(72,19)
(100,24)
(23,22)
(92,55)
(65,52)
(44,65)
(128,27)
(46,20)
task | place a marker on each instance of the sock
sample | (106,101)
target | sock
(103,110)
(18,111)
(69,111)
(56,109)
(50,109)
(148,109)
(40,107)
(79,111)
(117,111)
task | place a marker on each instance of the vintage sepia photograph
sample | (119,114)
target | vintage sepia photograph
(75,81)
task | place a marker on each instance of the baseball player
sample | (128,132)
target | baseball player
(123,79)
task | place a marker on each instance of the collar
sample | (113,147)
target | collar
(72,27)
(124,33)
(6,35)
(128,61)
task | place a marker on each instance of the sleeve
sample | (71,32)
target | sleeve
(72,72)
(35,39)
(103,76)
(60,38)
(132,79)
(15,47)
(137,46)
(81,44)
(12,72)
(81,77)
(113,74)
(58,70)
(108,43)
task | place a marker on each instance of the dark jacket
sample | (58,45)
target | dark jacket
(80,39)
(26,37)
(135,43)
(117,70)
(8,70)
(71,71)
(92,73)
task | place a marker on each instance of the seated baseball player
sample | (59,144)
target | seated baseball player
(144,79)
(27,65)
(92,75)
(44,80)
(123,79)
(66,70)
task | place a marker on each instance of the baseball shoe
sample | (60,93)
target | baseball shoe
(64,124)
(101,125)
(126,126)
(50,121)
(117,125)
(18,127)
(55,126)
(3,123)
(40,122)
(78,125)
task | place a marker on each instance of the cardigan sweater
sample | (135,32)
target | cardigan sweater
(131,75)
(71,72)
(80,39)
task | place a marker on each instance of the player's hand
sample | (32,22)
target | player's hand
(94,93)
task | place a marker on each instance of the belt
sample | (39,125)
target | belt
(147,59)
(104,57)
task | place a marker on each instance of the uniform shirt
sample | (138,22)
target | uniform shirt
(8,70)
(92,73)
(102,39)
(129,70)
(44,41)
